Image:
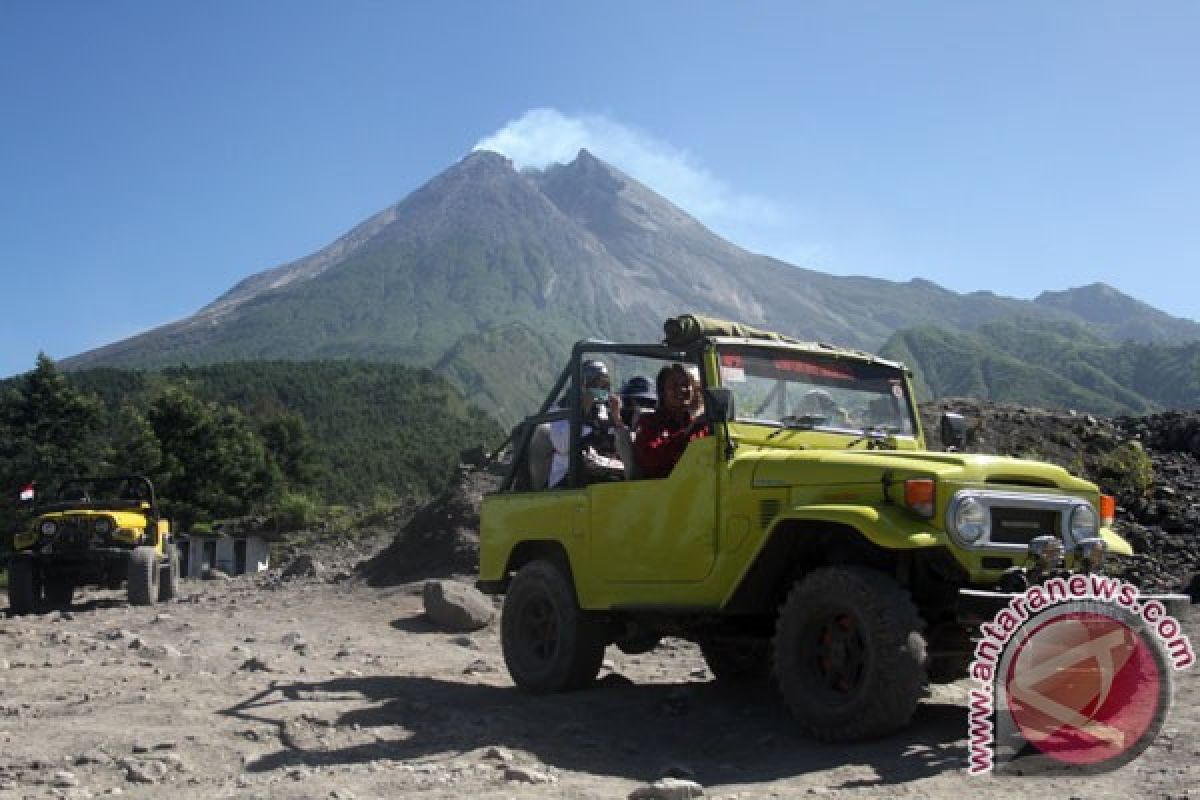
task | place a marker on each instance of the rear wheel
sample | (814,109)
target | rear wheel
(24,585)
(550,644)
(143,576)
(168,579)
(849,654)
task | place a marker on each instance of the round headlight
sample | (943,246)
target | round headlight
(1084,522)
(103,526)
(48,528)
(970,520)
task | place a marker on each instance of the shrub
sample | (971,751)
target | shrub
(1126,471)
(295,511)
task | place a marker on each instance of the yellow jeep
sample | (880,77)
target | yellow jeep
(810,536)
(94,531)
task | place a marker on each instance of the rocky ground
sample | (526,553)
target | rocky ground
(334,683)
(317,688)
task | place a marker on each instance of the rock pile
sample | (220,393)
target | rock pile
(1150,464)
(442,538)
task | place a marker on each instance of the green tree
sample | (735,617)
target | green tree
(291,446)
(48,431)
(213,464)
(133,446)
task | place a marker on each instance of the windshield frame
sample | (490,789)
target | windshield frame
(109,499)
(835,360)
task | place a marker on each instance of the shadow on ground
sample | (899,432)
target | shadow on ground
(417,623)
(723,735)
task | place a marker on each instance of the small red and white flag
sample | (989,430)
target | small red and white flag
(27,493)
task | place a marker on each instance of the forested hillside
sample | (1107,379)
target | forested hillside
(1050,365)
(233,439)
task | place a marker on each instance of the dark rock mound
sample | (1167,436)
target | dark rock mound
(442,538)
(303,566)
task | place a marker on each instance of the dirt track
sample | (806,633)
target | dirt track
(361,697)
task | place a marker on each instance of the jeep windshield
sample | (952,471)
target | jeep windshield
(807,391)
(101,492)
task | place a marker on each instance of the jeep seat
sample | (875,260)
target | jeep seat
(539,455)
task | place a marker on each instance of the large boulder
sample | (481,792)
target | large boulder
(456,606)
(303,566)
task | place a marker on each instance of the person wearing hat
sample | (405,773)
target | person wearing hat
(597,438)
(637,397)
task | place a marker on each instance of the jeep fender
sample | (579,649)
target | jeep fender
(806,537)
(892,529)
(530,550)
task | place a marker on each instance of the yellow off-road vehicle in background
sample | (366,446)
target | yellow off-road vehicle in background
(94,532)
(810,536)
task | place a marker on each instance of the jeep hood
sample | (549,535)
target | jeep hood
(122,519)
(850,467)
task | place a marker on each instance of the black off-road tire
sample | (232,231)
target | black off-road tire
(168,577)
(849,654)
(744,662)
(24,586)
(58,592)
(550,644)
(143,576)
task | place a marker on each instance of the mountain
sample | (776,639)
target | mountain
(1051,365)
(1118,316)
(488,274)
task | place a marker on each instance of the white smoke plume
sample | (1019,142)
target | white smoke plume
(545,136)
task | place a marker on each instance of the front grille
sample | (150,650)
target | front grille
(1023,525)
(1016,518)
(73,534)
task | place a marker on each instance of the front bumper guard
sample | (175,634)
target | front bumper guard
(976,606)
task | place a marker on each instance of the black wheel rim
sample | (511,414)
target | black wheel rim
(836,657)
(538,627)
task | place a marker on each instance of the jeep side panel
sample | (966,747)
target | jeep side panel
(658,531)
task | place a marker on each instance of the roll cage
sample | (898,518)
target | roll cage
(570,381)
(117,493)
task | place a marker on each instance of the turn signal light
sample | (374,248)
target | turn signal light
(1108,509)
(919,496)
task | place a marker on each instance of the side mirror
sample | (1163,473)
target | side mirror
(954,431)
(718,405)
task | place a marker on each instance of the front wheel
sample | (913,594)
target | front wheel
(58,591)
(849,654)
(143,576)
(550,644)
(24,585)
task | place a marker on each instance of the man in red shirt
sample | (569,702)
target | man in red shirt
(661,437)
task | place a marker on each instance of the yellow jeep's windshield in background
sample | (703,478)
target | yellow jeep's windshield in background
(797,389)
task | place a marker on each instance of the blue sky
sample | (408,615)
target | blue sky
(152,154)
